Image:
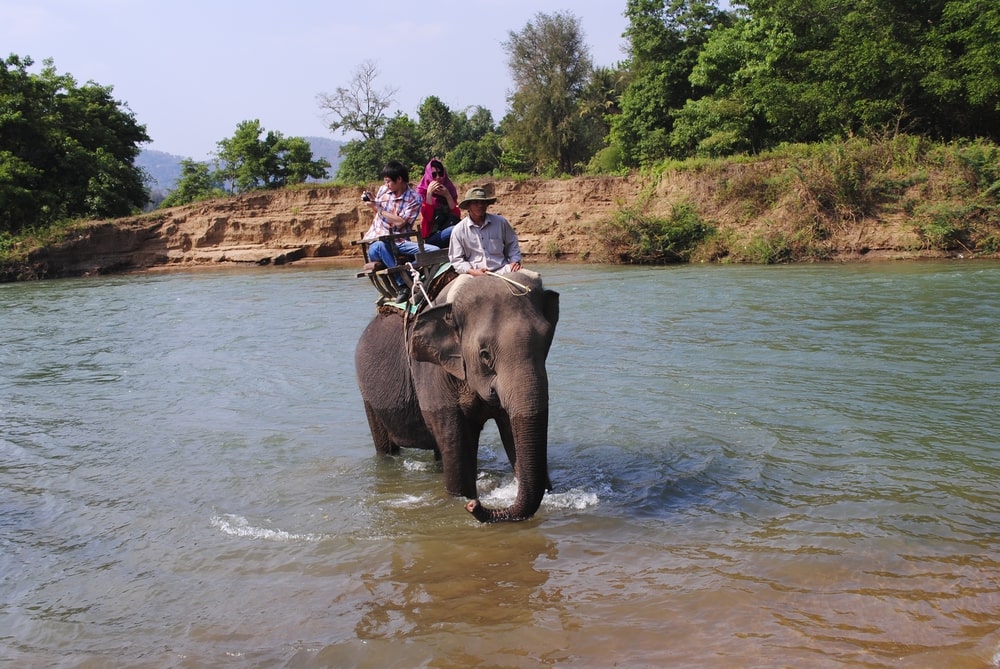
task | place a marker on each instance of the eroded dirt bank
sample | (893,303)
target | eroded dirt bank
(554,219)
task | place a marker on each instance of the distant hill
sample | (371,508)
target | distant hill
(164,168)
(326,148)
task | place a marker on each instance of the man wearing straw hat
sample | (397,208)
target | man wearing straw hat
(483,242)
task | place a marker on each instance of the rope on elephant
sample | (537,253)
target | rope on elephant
(418,284)
(524,290)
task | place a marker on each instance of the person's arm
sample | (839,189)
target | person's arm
(456,252)
(398,221)
(512,248)
(380,225)
(443,190)
(409,210)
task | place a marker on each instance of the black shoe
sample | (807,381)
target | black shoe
(403,295)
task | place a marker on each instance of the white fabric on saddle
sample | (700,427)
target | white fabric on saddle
(463,279)
(456,286)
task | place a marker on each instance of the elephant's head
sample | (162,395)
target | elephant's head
(493,335)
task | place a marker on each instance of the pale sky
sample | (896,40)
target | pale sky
(190,71)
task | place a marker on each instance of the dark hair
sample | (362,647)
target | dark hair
(437,164)
(395,170)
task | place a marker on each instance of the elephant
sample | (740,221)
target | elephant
(433,380)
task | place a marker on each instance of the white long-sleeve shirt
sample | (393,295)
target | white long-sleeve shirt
(492,246)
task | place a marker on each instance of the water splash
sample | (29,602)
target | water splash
(502,493)
(406,501)
(238,526)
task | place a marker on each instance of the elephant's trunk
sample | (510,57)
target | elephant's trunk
(531,469)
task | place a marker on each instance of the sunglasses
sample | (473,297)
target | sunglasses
(436,173)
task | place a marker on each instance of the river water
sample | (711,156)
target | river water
(753,467)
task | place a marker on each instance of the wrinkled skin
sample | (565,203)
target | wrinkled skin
(435,381)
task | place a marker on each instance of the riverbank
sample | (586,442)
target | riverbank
(841,206)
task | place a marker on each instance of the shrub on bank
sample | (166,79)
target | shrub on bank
(632,237)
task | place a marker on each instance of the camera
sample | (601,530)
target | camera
(365,197)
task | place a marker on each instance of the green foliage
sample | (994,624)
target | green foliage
(942,225)
(711,127)
(550,66)
(402,141)
(480,156)
(665,38)
(15,248)
(65,150)
(465,141)
(197,182)
(248,161)
(635,238)
(774,246)
(437,127)
(607,161)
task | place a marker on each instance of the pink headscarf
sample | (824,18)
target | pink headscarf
(427,179)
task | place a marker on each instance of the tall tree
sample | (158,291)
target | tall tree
(665,38)
(550,65)
(963,70)
(359,107)
(437,125)
(65,150)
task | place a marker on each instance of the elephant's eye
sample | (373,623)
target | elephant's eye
(486,357)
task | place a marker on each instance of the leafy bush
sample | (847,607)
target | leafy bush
(942,225)
(633,237)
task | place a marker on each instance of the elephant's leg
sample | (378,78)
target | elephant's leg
(460,462)
(383,443)
(458,441)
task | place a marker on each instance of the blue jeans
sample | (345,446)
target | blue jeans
(377,251)
(441,238)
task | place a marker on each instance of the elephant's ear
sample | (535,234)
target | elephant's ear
(551,311)
(435,339)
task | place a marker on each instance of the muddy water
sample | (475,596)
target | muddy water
(754,467)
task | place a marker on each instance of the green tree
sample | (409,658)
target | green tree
(197,182)
(665,38)
(295,162)
(248,161)
(962,69)
(402,141)
(362,160)
(600,103)
(65,150)
(550,66)
(475,156)
(438,126)
(813,70)
(475,124)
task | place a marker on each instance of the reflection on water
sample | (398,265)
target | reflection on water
(753,467)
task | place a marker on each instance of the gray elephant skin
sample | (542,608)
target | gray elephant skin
(433,380)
